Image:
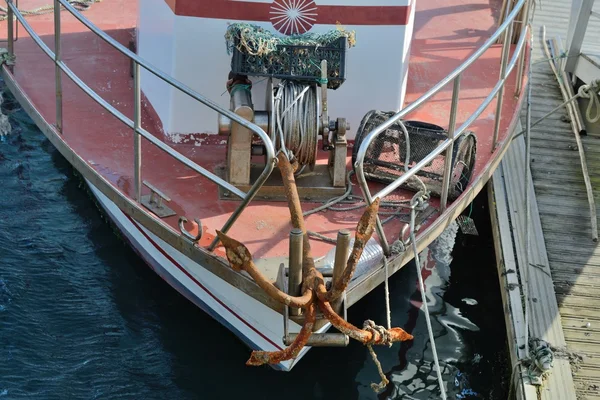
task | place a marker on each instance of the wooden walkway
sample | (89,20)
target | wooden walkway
(565,277)
(563,208)
(507,205)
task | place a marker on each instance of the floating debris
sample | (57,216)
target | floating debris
(469,301)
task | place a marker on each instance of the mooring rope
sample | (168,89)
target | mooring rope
(388,313)
(591,92)
(373,328)
(370,326)
(418,202)
(527,198)
(329,204)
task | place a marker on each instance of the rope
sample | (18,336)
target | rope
(384,333)
(527,199)
(388,313)
(370,326)
(295,121)
(418,201)
(328,205)
(563,104)
(591,92)
(542,360)
(513,381)
(80,5)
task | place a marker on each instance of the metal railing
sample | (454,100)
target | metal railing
(453,133)
(135,124)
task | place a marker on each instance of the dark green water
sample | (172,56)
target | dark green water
(82,317)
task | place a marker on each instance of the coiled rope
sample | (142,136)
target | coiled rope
(296,121)
(591,92)
(80,5)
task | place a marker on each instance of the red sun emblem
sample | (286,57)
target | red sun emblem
(292,17)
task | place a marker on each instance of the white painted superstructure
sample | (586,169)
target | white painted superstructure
(193,51)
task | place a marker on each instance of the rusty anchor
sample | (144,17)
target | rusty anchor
(314,292)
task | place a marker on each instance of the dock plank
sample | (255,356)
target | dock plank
(573,258)
(509,280)
(544,319)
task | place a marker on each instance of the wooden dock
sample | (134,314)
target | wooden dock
(564,262)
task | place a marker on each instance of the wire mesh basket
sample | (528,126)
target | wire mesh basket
(295,62)
(386,157)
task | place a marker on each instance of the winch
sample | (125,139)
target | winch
(295,116)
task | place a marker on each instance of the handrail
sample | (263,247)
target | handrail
(138,130)
(170,80)
(445,145)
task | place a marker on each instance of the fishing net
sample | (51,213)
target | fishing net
(385,159)
(259,52)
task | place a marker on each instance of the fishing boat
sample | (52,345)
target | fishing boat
(275,161)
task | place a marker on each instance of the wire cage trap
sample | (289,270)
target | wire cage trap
(386,157)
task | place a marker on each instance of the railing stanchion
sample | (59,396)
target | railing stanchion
(450,150)
(57,70)
(503,61)
(521,65)
(10,34)
(137,138)
(295,266)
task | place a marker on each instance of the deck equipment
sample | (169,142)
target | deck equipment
(406,143)
(305,67)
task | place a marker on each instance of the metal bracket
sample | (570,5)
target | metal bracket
(184,232)
(338,152)
(317,339)
(154,202)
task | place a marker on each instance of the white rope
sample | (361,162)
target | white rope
(527,200)
(295,121)
(388,313)
(418,202)
(591,92)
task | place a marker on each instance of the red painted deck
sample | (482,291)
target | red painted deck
(446,32)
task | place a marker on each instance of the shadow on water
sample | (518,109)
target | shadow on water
(81,316)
